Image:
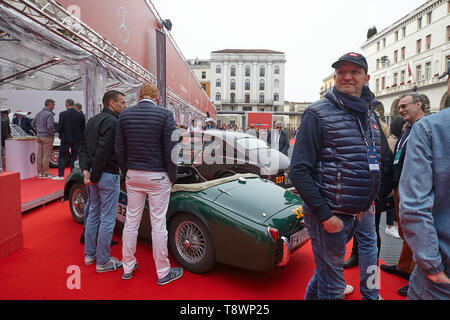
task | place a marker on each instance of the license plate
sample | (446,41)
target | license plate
(280,180)
(298,238)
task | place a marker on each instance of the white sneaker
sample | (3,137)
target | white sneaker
(58,178)
(40,176)
(348,289)
(47,176)
(393,232)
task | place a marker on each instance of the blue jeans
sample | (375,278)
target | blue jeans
(421,288)
(103,200)
(366,236)
(329,254)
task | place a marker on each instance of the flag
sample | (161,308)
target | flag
(410,72)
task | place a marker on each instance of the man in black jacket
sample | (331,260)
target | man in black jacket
(144,146)
(71,126)
(101,176)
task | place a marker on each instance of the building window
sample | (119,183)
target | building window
(377,85)
(429,17)
(262,72)
(247,108)
(384,43)
(261,98)
(448,32)
(232,97)
(218,69)
(419,23)
(218,83)
(233,71)
(204,86)
(218,96)
(276,97)
(378,46)
(261,85)
(247,100)
(247,71)
(276,84)
(232,84)
(395,78)
(428,70)
(276,70)
(247,84)
(402,77)
(418,73)
(403,32)
(383,83)
(203,74)
(428,42)
(378,64)
(396,35)
(418,46)
(403,54)
(395,56)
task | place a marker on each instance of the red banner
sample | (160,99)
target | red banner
(259,120)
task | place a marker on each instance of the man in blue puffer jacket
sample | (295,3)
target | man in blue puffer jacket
(335,168)
(143,147)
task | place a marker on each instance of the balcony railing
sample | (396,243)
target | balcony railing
(409,85)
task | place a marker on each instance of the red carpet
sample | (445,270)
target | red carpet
(34,188)
(51,245)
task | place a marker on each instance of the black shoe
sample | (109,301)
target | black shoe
(403,291)
(394,270)
(351,262)
(113,243)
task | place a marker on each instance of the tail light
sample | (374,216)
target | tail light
(274,234)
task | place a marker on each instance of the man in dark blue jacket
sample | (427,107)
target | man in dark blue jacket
(71,127)
(335,167)
(144,146)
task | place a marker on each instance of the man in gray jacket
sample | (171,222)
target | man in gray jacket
(424,205)
(43,124)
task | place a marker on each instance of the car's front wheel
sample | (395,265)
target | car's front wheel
(54,157)
(77,201)
(191,244)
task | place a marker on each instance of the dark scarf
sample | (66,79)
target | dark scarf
(360,105)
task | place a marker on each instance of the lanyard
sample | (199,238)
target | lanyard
(363,133)
(402,142)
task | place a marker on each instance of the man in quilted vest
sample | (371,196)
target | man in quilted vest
(336,169)
(143,149)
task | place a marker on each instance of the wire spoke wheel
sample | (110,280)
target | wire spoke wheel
(78,200)
(190,242)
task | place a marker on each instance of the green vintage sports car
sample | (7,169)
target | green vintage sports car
(241,220)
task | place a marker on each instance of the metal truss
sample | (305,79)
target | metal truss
(61,22)
(58,20)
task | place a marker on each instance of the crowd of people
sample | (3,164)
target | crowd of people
(346,165)
(70,127)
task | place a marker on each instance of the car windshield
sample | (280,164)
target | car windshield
(251,143)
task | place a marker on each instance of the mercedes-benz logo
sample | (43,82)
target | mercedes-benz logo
(122,19)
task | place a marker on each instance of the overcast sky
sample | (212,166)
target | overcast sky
(312,34)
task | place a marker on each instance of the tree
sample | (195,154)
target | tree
(371,32)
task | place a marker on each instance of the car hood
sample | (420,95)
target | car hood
(271,161)
(255,199)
